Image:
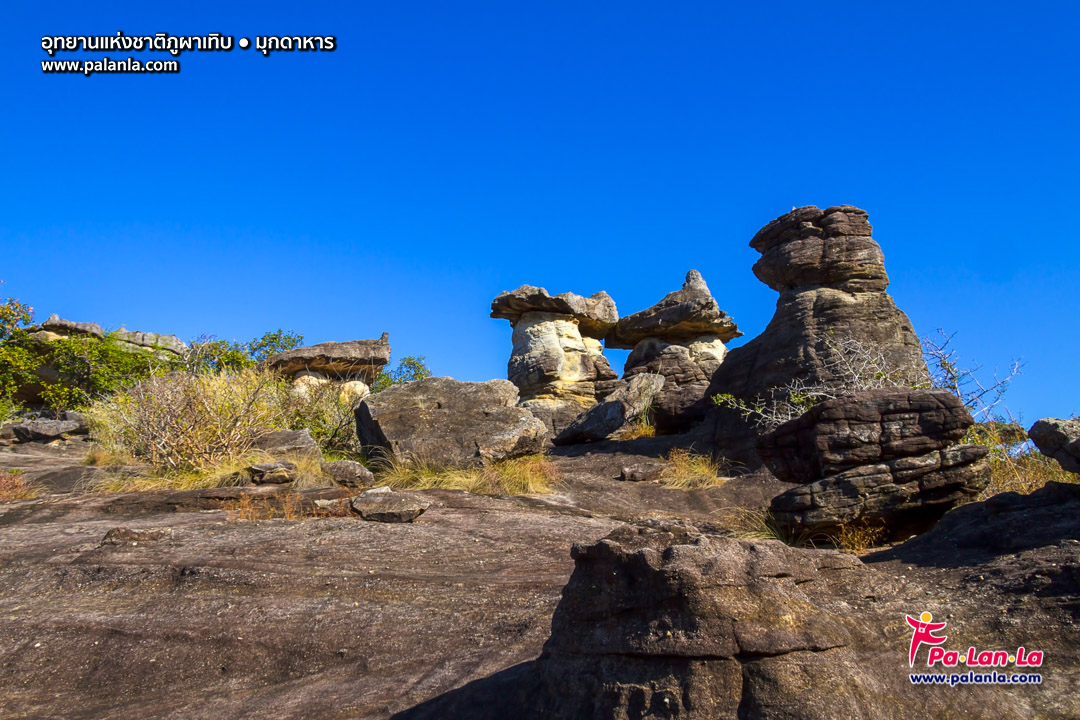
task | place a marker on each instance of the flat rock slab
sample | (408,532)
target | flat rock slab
(383,505)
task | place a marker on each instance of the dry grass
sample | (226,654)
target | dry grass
(286,506)
(756,524)
(531,475)
(686,470)
(857,538)
(98,456)
(229,473)
(13,487)
(1015,465)
(636,430)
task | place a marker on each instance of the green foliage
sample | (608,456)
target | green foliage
(17,363)
(214,355)
(409,368)
(90,367)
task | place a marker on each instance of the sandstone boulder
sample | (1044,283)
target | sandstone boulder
(596,314)
(450,423)
(882,456)
(1059,439)
(272,473)
(289,442)
(348,473)
(352,360)
(621,408)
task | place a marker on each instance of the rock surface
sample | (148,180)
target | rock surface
(272,473)
(1059,439)
(383,505)
(881,456)
(45,430)
(450,423)
(351,360)
(832,282)
(687,370)
(682,316)
(621,408)
(289,442)
(348,473)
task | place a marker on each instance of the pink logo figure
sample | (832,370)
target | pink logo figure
(924,633)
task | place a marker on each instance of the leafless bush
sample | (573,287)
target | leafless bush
(981,397)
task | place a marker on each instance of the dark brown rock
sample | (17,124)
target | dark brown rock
(272,473)
(681,316)
(384,505)
(1059,439)
(863,428)
(289,442)
(686,370)
(832,282)
(354,359)
(882,456)
(447,422)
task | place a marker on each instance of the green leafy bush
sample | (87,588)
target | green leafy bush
(408,369)
(209,353)
(17,362)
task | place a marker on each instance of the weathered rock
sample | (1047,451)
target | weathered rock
(450,423)
(44,430)
(152,341)
(596,315)
(863,428)
(1059,439)
(348,473)
(272,473)
(63,328)
(619,409)
(289,442)
(640,472)
(351,360)
(881,456)
(557,356)
(832,282)
(383,505)
(687,370)
(681,317)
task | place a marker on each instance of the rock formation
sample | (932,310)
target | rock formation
(557,361)
(622,407)
(355,361)
(831,277)
(1059,439)
(887,457)
(682,338)
(450,423)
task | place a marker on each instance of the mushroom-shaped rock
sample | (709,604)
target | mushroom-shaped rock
(682,316)
(596,315)
(351,360)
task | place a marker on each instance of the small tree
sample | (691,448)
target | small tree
(409,368)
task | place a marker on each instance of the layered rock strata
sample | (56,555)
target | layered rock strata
(884,457)
(557,361)
(1059,439)
(352,361)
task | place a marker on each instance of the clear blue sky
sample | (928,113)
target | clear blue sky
(448,151)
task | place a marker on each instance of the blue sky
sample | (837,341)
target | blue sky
(448,151)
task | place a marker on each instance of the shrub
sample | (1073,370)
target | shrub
(327,410)
(686,470)
(408,369)
(531,475)
(1015,464)
(17,363)
(189,421)
(209,353)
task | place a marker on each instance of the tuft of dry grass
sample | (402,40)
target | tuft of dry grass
(99,456)
(636,430)
(530,475)
(286,506)
(856,538)
(228,473)
(760,524)
(1015,464)
(686,470)
(13,487)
